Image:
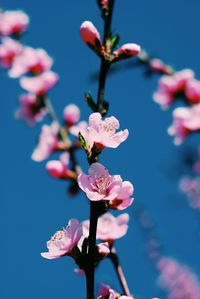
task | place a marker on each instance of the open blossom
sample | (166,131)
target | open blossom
(13,22)
(63,242)
(126,51)
(191,188)
(109,228)
(171,86)
(71,114)
(30,109)
(178,280)
(39,84)
(9,50)
(99,185)
(90,35)
(48,141)
(59,169)
(30,60)
(102,133)
(186,120)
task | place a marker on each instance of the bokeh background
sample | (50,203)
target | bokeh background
(34,206)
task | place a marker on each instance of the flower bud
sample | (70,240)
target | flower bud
(91,36)
(71,114)
(126,51)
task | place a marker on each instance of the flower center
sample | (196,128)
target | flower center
(58,235)
(108,126)
(99,183)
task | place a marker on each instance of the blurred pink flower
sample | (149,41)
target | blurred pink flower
(102,133)
(48,141)
(30,109)
(170,86)
(193,91)
(91,36)
(126,51)
(71,114)
(30,60)
(99,185)
(191,188)
(39,84)
(63,242)
(109,228)
(178,280)
(13,22)
(59,169)
(186,120)
(9,50)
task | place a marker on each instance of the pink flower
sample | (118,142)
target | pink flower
(9,50)
(30,60)
(109,228)
(99,185)
(71,114)
(63,242)
(191,188)
(186,120)
(171,86)
(80,127)
(126,51)
(193,91)
(13,22)
(102,133)
(39,84)
(91,36)
(48,141)
(59,169)
(178,280)
(30,109)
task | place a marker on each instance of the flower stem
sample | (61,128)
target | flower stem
(105,65)
(118,268)
(94,206)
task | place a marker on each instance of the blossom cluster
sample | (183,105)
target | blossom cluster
(178,280)
(181,85)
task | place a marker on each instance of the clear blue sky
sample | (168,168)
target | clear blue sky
(34,206)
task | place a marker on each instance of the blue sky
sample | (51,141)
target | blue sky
(34,206)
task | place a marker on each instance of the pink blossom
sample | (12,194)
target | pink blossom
(99,185)
(71,114)
(59,169)
(178,280)
(170,86)
(191,188)
(109,228)
(30,60)
(13,22)
(9,50)
(63,242)
(39,84)
(48,141)
(90,35)
(193,91)
(30,109)
(186,120)
(102,133)
(127,50)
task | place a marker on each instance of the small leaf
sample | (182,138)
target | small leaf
(114,41)
(90,101)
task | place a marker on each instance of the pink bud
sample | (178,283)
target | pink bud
(55,168)
(126,51)
(103,248)
(90,35)
(71,114)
